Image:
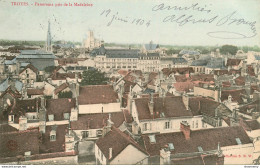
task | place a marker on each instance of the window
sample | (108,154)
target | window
(99,132)
(102,156)
(171,146)
(167,125)
(197,124)
(11,118)
(152,139)
(85,134)
(98,152)
(27,75)
(66,116)
(53,135)
(27,153)
(146,126)
(51,117)
(200,149)
(238,141)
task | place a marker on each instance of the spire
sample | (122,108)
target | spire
(48,41)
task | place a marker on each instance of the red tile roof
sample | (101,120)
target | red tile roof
(128,116)
(199,105)
(20,107)
(249,108)
(236,95)
(97,94)
(30,66)
(181,78)
(48,146)
(161,105)
(6,128)
(116,140)
(240,81)
(226,84)
(226,136)
(220,72)
(250,70)
(233,62)
(207,159)
(254,88)
(183,86)
(182,70)
(35,91)
(58,107)
(18,142)
(96,121)
(65,61)
(61,88)
(122,72)
(252,124)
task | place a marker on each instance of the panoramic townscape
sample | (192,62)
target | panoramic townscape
(102,103)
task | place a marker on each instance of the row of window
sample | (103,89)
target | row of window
(85,134)
(167,125)
(66,116)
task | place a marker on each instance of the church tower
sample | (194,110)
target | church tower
(48,41)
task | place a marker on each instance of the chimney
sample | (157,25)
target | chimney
(185,129)
(185,99)
(151,105)
(110,153)
(77,89)
(165,157)
(22,123)
(37,105)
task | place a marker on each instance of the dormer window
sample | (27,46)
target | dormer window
(200,149)
(171,146)
(51,117)
(66,116)
(53,137)
(238,141)
(53,133)
(11,118)
(152,139)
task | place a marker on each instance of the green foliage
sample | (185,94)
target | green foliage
(65,94)
(173,51)
(47,97)
(225,49)
(49,69)
(93,77)
(205,51)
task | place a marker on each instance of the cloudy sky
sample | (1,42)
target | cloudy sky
(234,22)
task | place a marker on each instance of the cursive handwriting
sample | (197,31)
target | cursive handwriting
(115,17)
(204,18)
(194,7)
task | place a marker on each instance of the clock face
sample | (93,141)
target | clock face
(12,145)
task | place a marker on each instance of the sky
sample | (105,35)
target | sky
(226,22)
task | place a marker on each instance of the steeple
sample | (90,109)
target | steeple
(48,41)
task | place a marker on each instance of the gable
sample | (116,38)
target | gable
(123,156)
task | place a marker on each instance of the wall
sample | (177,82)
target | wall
(123,157)
(98,156)
(238,154)
(97,108)
(198,91)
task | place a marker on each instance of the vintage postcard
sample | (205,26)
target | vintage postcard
(129,82)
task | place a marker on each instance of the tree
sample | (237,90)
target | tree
(93,77)
(65,94)
(225,49)
(49,69)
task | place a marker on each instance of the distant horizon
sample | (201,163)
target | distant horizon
(116,43)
